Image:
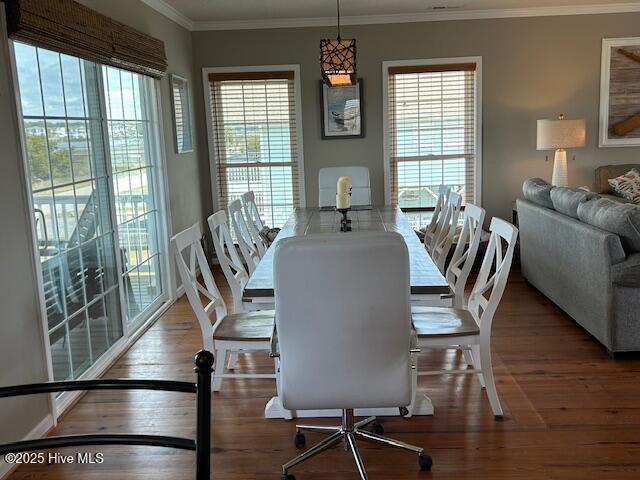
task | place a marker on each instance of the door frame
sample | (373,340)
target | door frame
(59,405)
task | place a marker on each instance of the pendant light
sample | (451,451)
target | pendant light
(338,59)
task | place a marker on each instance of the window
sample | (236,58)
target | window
(253,128)
(95,208)
(431,133)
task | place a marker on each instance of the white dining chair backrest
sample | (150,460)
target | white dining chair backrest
(254,222)
(443,193)
(204,297)
(446,230)
(344,320)
(465,253)
(360,185)
(493,275)
(245,242)
(227,255)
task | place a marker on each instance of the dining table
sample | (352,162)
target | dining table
(428,285)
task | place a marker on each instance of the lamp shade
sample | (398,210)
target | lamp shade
(560,133)
(338,61)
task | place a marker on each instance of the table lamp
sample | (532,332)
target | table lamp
(558,135)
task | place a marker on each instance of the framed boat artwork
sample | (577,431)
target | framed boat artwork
(342,111)
(620,93)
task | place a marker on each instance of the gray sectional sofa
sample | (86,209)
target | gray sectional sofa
(582,250)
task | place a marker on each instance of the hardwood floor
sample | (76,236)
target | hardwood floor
(570,411)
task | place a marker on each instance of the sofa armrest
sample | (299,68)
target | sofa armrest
(627,273)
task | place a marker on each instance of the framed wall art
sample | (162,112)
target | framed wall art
(181,101)
(620,93)
(342,111)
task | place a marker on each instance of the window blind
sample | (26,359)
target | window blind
(432,133)
(69,27)
(255,138)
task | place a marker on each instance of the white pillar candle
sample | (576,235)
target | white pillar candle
(343,200)
(344,185)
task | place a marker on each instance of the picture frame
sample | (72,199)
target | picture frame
(181,110)
(619,95)
(342,111)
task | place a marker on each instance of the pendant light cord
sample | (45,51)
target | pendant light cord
(338,8)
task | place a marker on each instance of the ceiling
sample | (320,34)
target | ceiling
(242,14)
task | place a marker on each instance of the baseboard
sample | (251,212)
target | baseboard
(38,431)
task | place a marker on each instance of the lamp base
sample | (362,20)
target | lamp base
(560,176)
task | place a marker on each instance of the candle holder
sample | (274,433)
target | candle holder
(345,222)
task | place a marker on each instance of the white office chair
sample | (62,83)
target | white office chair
(445,231)
(228,333)
(471,327)
(360,185)
(253,220)
(344,333)
(249,250)
(429,232)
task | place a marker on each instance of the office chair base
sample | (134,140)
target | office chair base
(347,434)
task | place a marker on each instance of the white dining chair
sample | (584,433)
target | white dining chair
(470,327)
(227,255)
(429,231)
(253,220)
(228,333)
(249,250)
(344,334)
(465,253)
(445,231)
(360,185)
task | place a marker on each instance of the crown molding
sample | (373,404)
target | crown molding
(171,13)
(431,16)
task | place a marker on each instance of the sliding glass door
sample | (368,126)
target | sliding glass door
(130,102)
(92,156)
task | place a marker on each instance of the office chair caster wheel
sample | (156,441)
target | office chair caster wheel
(425,462)
(286,476)
(299,441)
(377,428)
(404,411)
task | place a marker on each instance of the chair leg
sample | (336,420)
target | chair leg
(218,369)
(316,428)
(487,372)
(468,356)
(365,422)
(351,441)
(389,442)
(233,361)
(477,363)
(313,451)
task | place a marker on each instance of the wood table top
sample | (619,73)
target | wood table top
(426,279)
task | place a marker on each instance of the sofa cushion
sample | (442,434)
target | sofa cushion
(619,218)
(615,198)
(627,273)
(627,185)
(538,191)
(566,200)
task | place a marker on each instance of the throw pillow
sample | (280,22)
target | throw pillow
(538,191)
(627,185)
(566,200)
(623,219)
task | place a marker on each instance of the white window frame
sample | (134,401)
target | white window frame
(477,60)
(295,68)
(60,404)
